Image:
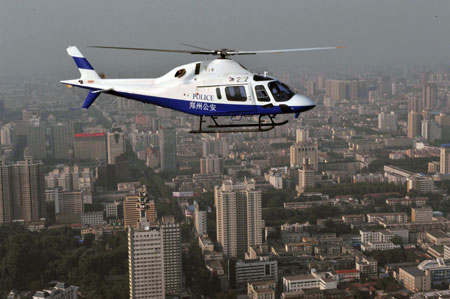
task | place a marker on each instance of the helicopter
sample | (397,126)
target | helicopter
(214,88)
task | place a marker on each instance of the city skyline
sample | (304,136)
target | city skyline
(347,196)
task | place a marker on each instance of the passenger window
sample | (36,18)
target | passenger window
(180,73)
(197,68)
(261,94)
(236,93)
(218,94)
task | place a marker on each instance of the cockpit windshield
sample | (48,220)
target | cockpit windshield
(280,91)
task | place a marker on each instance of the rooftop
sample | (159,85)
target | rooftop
(346,271)
(438,234)
(414,271)
(300,277)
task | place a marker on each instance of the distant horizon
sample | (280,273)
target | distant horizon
(376,35)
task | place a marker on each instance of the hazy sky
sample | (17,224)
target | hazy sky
(375,33)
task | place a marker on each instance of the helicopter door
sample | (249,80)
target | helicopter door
(251,97)
(241,96)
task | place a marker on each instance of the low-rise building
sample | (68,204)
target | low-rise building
(438,237)
(296,283)
(414,279)
(205,244)
(439,270)
(59,291)
(92,218)
(396,175)
(111,209)
(367,266)
(215,267)
(261,289)
(407,201)
(371,246)
(347,275)
(424,214)
(354,219)
(420,183)
(400,217)
(243,271)
(446,252)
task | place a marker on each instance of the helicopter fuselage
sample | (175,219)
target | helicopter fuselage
(219,87)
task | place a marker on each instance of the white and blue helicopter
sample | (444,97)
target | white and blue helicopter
(210,88)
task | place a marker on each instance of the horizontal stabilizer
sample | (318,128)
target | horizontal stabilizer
(91,97)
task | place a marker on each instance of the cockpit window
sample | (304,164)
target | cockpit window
(180,73)
(261,94)
(236,93)
(261,78)
(280,91)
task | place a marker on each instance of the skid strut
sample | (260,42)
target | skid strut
(261,126)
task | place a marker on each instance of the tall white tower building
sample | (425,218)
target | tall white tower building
(238,217)
(146,258)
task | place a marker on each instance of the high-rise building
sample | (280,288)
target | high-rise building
(414,124)
(302,150)
(335,89)
(171,232)
(302,135)
(168,148)
(131,212)
(431,130)
(146,261)
(415,105)
(385,86)
(211,164)
(238,217)
(445,159)
(62,140)
(429,96)
(30,113)
(200,220)
(7,134)
(342,89)
(36,141)
(90,146)
(310,88)
(218,147)
(305,177)
(387,121)
(154,255)
(115,144)
(22,191)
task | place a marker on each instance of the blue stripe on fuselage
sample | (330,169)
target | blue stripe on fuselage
(210,109)
(82,63)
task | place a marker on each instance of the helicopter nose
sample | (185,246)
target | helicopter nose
(304,102)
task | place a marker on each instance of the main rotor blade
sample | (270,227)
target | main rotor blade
(195,47)
(155,50)
(278,51)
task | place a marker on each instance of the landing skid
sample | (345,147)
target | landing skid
(261,126)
